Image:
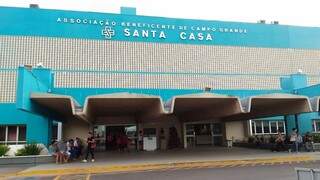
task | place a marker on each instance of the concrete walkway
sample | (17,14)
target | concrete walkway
(111,162)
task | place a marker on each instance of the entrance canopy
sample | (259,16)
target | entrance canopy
(272,105)
(119,104)
(204,106)
(61,104)
(315,103)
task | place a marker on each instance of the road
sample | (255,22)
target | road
(257,172)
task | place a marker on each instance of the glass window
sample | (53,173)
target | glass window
(317,125)
(216,128)
(273,127)
(22,133)
(253,127)
(266,129)
(258,127)
(54,132)
(281,126)
(2,133)
(12,133)
(189,129)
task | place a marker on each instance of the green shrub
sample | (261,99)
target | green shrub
(316,138)
(3,150)
(29,149)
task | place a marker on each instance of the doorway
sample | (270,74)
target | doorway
(202,134)
(111,137)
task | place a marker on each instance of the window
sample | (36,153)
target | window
(268,127)
(253,127)
(281,126)
(258,127)
(273,126)
(316,125)
(2,133)
(13,134)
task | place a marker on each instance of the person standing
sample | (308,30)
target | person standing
(294,140)
(90,148)
(140,140)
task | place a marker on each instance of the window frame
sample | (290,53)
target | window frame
(315,127)
(254,124)
(16,141)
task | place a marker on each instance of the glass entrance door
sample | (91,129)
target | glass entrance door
(217,136)
(197,134)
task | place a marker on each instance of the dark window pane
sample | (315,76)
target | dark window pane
(2,133)
(273,127)
(12,133)
(54,132)
(318,125)
(281,126)
(266,127)
(216,128)
(258,127)
(253,127)
(22,133)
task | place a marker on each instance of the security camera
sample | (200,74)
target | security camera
(40,65)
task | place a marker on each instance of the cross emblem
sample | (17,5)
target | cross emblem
(108,32)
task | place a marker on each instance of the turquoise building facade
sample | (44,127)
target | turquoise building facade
(82,54)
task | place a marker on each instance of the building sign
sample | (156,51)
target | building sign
(137,30)
(120,27)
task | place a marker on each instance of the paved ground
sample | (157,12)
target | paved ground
(257,172)
(195,160)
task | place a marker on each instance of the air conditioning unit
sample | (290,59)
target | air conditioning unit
(262,21)
(33,6)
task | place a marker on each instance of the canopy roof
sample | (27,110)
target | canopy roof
(204,106)
(117,104)
(61,104)
(190,107)
(273,105)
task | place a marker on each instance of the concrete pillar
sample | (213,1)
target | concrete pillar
(59,133)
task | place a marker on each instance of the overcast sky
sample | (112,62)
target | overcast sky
(293,12)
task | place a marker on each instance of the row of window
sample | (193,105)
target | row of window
(267,127)
(13,134)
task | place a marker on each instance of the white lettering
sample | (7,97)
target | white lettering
(183,35)
(209,37)
(126,32)
(145,33)
(162,35)
(200,36)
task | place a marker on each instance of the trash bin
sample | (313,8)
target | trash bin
(307,174)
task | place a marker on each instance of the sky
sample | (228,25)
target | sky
(288,12)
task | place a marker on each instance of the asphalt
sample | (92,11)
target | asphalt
(259,172)
(178,160)
(256,172)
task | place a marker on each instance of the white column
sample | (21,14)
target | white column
(250,128)
(184,135)
(59,133)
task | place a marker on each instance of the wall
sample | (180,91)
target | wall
(38,127)
(235,130)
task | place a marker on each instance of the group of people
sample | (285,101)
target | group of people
(68,150)
(296,141)
(119,141)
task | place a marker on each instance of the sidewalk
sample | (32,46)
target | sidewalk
(113,162)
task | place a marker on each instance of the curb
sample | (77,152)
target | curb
(161,166)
